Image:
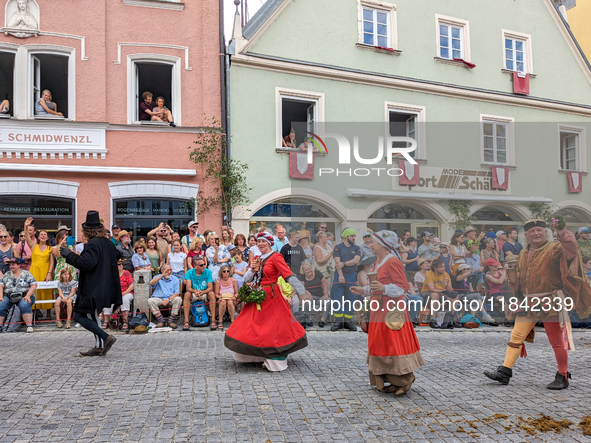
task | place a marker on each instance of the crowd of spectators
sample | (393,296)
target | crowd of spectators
(190,267)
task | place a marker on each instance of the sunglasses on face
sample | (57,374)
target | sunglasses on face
(225,271)
(200,266)
(3,236)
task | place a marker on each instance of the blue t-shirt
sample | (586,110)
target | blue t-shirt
(199,282)
(513,249)
(347,253)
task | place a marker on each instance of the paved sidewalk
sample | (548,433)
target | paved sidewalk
(185,387)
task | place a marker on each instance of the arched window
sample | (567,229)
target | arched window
(574,218)
(398,217)
(496,218)
(299,214)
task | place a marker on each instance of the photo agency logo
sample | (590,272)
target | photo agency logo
(394,146)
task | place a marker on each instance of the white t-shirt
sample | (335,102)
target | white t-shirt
(177,261)
(419,280)
(255,251)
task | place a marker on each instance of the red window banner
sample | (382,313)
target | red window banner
(520,83)
(410,173)
(575,182)
(299,167)
(500,177)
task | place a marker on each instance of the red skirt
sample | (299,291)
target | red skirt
(392,352)
(272,332)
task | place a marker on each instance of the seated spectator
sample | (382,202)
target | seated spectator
(4,107)
(126,282)
(253,250)
(216,254)
(17,287)
(165,293)
(66,288)
(6,251)
(161,113)
(44,106)
(227,240)
(240,266)
(125,249)
(242,245)
(437,284)
(140,259)
(195,250)
(147,106)
(226,291)
(465,282)
(22,251)
(419,277)
(495,278)
(316,291)
(199,287)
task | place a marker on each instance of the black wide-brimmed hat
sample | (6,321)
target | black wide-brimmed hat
(92,220)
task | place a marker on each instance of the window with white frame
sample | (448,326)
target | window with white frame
(450,41)
(453,38)
(497,140)
(158,75)
(375,27)
(569,150)
(572,148)
(407,121)
(50,73)
(377,24)
(517,52)
(298,112)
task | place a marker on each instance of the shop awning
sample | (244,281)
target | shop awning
(360,193)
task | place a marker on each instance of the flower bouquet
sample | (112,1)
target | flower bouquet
(246,294)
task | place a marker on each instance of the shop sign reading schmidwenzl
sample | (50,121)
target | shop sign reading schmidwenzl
(461,181)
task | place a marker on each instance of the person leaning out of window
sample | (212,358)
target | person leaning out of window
(44,106)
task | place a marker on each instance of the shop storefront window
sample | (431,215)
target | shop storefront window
(298,214)
(398,217)
(496,218)
(48,213)
(140,216)
(574,218)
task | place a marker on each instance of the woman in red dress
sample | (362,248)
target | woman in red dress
(272,333)
(393,348)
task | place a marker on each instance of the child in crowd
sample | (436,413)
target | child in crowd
(495,277)
(226,291)
(67,295)
(240,266)
(445,257)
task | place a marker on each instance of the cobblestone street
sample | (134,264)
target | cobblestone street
(186,387)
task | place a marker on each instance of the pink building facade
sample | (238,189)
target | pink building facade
(97,59)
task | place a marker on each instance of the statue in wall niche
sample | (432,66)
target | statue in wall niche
(22,18)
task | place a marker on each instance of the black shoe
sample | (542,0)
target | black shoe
(433,324)
(172,124)
(310,323)
(502,375)
(92,352)
(350,326)
(303,323)
(321,324)
(507,324)
(337,326)
(560,382)
(492,323)
(109,342)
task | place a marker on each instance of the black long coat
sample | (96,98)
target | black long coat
(98,286)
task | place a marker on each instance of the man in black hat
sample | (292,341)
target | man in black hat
(98,286)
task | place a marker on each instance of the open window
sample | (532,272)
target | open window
(404,120)
(573,148)
(51,72)
(294,110)
(7,81)
(158,74)
(156,78)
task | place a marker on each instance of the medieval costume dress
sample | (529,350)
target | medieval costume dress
(394,352)
(272,333)
(544,273)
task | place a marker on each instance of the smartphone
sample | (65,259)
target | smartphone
(71,241)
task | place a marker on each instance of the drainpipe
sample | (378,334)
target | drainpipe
(223,91)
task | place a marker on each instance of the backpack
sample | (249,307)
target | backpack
(138,319)
(12,322)
(198,317)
